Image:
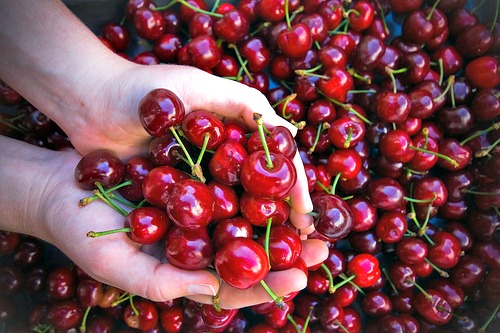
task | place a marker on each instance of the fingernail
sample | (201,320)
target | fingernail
(201,289)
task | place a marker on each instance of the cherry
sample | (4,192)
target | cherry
(284,246)
(361,15)
(365,242)
(100,166)
(393,107)
(459,154)
(203,52)
(411,250)
(29,252)
(166,150)
(158,183)
(333,216)
(225,201)
(468,272)
(277,317)
(269,176)
(485,105)
(146,316)
(146,58)
(445,250)
(391,227)
(65,314)
(364,214)
(61,283)
(368,53)
(160,110)
(230,228)
(417,27)
(345,163)
(12,279)
(136,170)
(474,41)
(254,50)
(401,275)
(167,47)
(147,225)
(365,268)
(386,193)
(395,145)
(345,132)
(482,72)
(148,23)
(330,313)
(226,163)
(432,306)
(241,263)
(189,249)
(278,140)
(335,83)
(317,25)
(258,210)
(190,205)
(89,292)
(335,263)
(232,26)
(377,304)
(117,35)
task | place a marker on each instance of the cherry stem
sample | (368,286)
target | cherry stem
(101,193)
(347,142)
(266,240)
(40,328)
(122,201)
(482,329)
(294,323)
(441,71)
(339,28)
(206,138)
(422,290)
(331,288)
(94,234)
(343,276)
(425,132)
(8,124)
(187,4)
(87,200)
(348,12)
(260,28)
(495,126)
(349,108)
(214,7)
(393,287)
(420,200)
(278,300)
(497,8)
(342,327)
(423,228)
(441,272)
(186,153)
(346,280)
(485,152)
(496,210)
(479,192)
(83,325)
(450,82)
(355,74)
(132,305)
(302,72)
(432,10)
(285,104)
(260,127)
(287,15)
(393,80)
(316,139)
(474,10)
(444,157)
(335,182)
(241,61)
(215,303)
(382,17)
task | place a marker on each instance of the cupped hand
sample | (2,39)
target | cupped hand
(111,117)
(141,270)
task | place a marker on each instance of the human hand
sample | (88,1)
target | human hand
(111,121)
(141,270)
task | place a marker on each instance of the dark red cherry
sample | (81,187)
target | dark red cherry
(330,313)
(61,283)
(190,205)
(147,225)
(232,26)
(226,163)
(335,83)
(189,249)
(482,72)
(391,226)
(101,166)
(65,314)
(226,201)
(203,52)
(136,170)
(118,35)
(433,307)
(198,125)
(393,107)
(268,181)
(148,23)
(474,41)
(160,110)
(345,162)
(333,216)
(166,150)
(285,247)
(445,252)
(146,316)
(386,193)
(241,263)
(167,47)
(230,228)
(368,53)
(294,42)
(157,184)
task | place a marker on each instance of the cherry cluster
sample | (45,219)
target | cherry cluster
(397,105)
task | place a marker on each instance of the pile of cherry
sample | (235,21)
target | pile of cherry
(397,105)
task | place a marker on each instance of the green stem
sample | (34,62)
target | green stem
(485,152)
(441,272)
(294,323)
(393,287)
(206,138)
(302,72)
(335,182)
(241,61)
(343,276)
(260,28)
(102,194)
(331,288)
(441,71)
(287,15)
(349,108)
(87,200)
(266,240)
(482,329)
(260,128)
(214,7)
(316,139)
(497,8)
(186,153)
(444,157)
(83,325)
(190,6)
(94,234)
(451,81)
(132,305)
(276,299)
(495,126)
(432,10)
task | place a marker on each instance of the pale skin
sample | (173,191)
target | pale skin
(59,66)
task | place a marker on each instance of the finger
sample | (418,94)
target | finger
(280,282)
(299,197)
(314,251)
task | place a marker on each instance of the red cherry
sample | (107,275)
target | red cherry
(232,26)
(285,247)
(433,307)
(117,35)
(148,23)
(145,319)
(226,163)
(189,249)
(483,72)
(336,83)
(157,184)
(197,125)
(101,166)
(160,110)
(273,182)
(148,224)
(191,204)
(65,314)
(203,52)
(361,16)
(241,263)
(258,210)
(334,217)
(226,201)
(445,252)
(295,41)
(230,228)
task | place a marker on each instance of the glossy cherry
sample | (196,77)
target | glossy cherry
(102,166)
